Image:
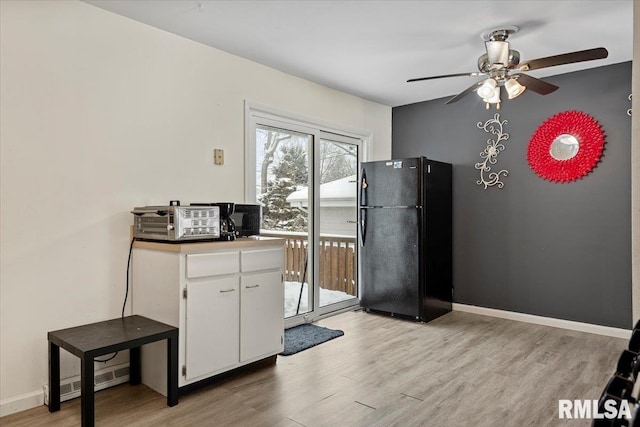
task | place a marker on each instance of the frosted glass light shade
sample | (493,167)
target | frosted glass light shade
(513,88)
(494,98)
(488,89)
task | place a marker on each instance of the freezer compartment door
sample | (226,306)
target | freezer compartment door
(391,183)
(389,261)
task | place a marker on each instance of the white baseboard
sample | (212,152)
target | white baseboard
(545,321)
(69,389)
(21,403)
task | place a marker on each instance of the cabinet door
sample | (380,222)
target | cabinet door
(262,315)
(212,326)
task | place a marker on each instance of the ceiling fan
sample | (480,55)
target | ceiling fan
(503,67)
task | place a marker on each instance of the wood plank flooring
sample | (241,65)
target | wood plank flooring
(459,370)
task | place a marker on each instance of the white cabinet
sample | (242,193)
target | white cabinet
(259,314)
(226,298)
(212,337)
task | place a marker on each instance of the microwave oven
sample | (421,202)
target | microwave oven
(248,219)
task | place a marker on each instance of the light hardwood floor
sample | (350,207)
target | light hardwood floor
(459,370)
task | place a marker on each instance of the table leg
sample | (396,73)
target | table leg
(172,370)
(87,398)
(135,375)
(54,377)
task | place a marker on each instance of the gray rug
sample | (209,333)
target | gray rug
(306,336)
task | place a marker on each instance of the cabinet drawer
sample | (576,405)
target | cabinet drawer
(201,265)
(262,260)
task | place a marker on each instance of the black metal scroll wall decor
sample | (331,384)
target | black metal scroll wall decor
(494,126)
(566,147)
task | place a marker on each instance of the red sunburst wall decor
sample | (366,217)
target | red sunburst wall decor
(566,147)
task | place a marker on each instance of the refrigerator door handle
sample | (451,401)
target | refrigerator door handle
(363,188)
(363,225)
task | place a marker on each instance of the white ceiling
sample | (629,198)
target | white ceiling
(370,48)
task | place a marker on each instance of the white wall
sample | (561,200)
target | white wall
(99,114)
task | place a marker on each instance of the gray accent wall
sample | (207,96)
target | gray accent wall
(560,250)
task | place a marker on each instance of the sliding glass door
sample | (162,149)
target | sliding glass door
(337,263)
(306,182)
(283,177)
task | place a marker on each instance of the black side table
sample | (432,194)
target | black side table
(101,338)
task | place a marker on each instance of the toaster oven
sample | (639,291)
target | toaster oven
(175,223)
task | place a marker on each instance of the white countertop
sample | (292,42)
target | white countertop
(189,247)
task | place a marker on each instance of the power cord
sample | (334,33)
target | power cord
(126,295)
(106,360)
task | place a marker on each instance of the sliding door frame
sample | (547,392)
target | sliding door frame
(258,114)
(351,302)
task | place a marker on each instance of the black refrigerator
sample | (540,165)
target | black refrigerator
(405,237)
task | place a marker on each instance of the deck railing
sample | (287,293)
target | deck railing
(337,259)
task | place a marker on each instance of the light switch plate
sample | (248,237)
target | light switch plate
(218,156)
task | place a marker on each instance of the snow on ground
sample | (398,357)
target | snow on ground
(292,293)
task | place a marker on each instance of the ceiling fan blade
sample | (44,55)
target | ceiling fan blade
(534,84)
(565,58)
(465,92)
(444,75)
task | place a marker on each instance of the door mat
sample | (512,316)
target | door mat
(306,336)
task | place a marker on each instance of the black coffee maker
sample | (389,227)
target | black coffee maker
(227,226)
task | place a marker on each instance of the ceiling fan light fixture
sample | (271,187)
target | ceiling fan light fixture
(500,60)
(494,98)
(514,89)
(488,89)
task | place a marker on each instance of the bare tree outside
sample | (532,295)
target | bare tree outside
(283,167)
(271,139)
(284,164)
(336,161)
